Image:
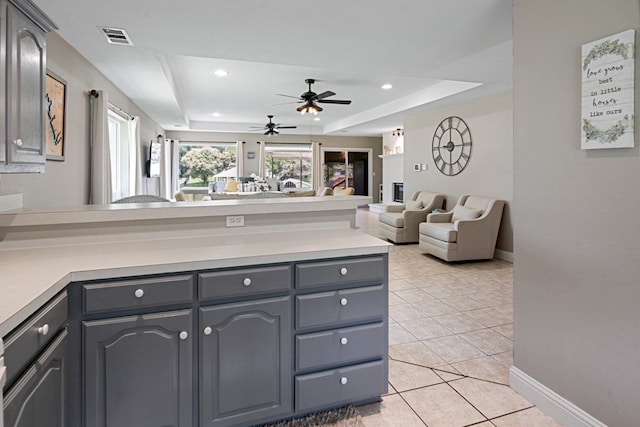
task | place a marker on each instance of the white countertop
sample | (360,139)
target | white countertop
(32,275)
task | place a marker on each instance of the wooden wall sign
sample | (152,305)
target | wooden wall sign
(608,92)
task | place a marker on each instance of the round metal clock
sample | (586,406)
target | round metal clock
(451,146)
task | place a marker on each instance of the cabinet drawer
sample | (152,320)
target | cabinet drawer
(339,272)
(353,383)
(25,343)
(329,308)
(340,346)
(247,281)
(139,293)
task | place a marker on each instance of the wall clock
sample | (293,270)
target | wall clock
(451,146)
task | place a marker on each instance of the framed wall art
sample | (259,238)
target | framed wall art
(56,92)
(608,78)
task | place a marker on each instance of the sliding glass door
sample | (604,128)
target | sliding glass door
(348,168)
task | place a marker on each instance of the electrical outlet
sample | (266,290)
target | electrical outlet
(235,221)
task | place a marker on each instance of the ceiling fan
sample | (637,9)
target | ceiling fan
(311,99)
(271,128)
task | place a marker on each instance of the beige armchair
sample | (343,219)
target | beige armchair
(467,232)
(399,223)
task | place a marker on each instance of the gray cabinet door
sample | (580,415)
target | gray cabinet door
(26,70)
(138,370)
(38,397)
(3,93)
(245,362)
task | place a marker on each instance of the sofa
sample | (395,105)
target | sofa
(467,232)
(399,223)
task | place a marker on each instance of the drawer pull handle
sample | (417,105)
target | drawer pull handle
(43,330)
(344,271)
(344,301)
(344,380)
(18,142)
(208,330)
(344,340)
(184,335)
(246,282)
(139,293)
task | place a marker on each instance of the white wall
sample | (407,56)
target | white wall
(490,170)
(67,183)
(577,229)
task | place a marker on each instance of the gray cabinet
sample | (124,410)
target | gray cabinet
(245,362)
(231,346)
(36,359)
(39,397)
(23,57)
(341,340)
(138,370)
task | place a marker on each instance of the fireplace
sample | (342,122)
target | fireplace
(398,192)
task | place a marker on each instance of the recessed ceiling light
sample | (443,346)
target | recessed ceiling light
(317,119)
(216,114)
(386,86)
(221,73)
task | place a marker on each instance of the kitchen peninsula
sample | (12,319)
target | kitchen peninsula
(220,313)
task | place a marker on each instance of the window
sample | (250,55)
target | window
(290,164)
(122,156)
(201,163)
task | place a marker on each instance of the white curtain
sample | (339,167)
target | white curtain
(316,160)
(240,158)
(100,188)
(167,189)
(261,159)
(135,168)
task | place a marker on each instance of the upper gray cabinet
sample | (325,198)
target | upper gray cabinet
(22,110)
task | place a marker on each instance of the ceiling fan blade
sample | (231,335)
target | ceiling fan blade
(286,127)
(335,101)
(288,96)
(286,103)
(324,95)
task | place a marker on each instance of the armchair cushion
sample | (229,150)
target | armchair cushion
(414,205)
(463,212)
(440,230)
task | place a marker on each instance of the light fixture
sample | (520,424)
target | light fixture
(398,132)
(216,114)
(221,73)
(316,119)
(386,86)
(309,108)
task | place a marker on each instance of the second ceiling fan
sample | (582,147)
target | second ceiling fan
(271,128)
(311,99)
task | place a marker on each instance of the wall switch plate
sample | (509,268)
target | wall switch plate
(235,221)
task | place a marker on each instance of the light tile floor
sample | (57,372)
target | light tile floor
(450,344)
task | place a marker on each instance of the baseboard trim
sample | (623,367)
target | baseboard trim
(550,402)
(503,255)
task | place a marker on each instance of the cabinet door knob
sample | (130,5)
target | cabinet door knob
(344,271)
(343,301)
(18,142)
(139,293)
(344,380)
(43,330)
(246,281)
(344,340)
(184,335)
(208,330)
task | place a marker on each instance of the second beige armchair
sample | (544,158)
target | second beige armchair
(399,223)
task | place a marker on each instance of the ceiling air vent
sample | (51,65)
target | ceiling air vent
(116,36)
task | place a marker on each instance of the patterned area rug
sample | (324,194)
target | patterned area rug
(341,417)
